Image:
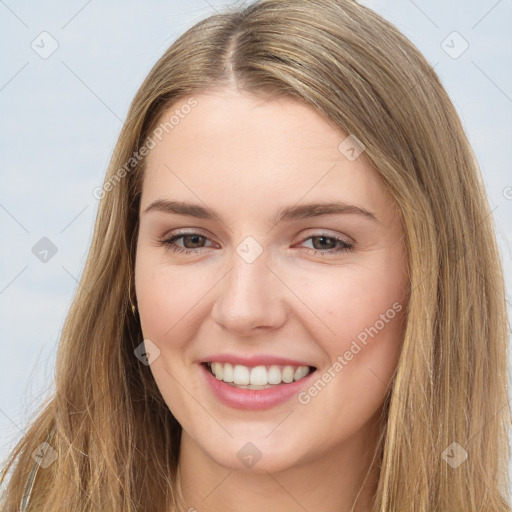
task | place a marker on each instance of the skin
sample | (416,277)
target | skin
(246,158)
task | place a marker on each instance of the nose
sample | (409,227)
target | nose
(249,297)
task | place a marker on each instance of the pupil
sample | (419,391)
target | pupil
(195,237)
(324,238)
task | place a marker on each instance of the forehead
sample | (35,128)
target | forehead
(244,150)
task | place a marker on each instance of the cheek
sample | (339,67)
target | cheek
(364,314)
(362,357)
(165,299)
(167,302)
(358,304)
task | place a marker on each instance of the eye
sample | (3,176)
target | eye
(193,242)
(323,244)
(190,239)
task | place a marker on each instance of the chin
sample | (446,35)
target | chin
(253,456)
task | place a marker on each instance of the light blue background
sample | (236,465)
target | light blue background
(61,117)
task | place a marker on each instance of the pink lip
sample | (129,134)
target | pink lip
(253,399)
(257,360)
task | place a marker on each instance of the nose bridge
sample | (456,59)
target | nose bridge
(249,296)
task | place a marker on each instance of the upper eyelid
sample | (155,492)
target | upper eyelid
(319,233)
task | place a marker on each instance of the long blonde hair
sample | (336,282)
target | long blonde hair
(116,443)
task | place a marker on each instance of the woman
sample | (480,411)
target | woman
(218,355)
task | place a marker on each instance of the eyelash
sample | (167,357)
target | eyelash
(168,243)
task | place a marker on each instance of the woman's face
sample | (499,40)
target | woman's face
(258,277)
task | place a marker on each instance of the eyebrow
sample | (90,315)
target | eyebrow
(288,213)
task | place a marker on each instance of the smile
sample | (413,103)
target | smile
(257,377)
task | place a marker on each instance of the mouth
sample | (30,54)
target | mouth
(257,377)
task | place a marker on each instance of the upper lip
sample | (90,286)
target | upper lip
(255,360)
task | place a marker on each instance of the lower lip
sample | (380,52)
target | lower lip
(253,399)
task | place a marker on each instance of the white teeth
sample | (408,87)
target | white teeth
(274,375)
(217,369)
(288,374)
(240,374)
(228,374)
(257,377)
(300,372)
